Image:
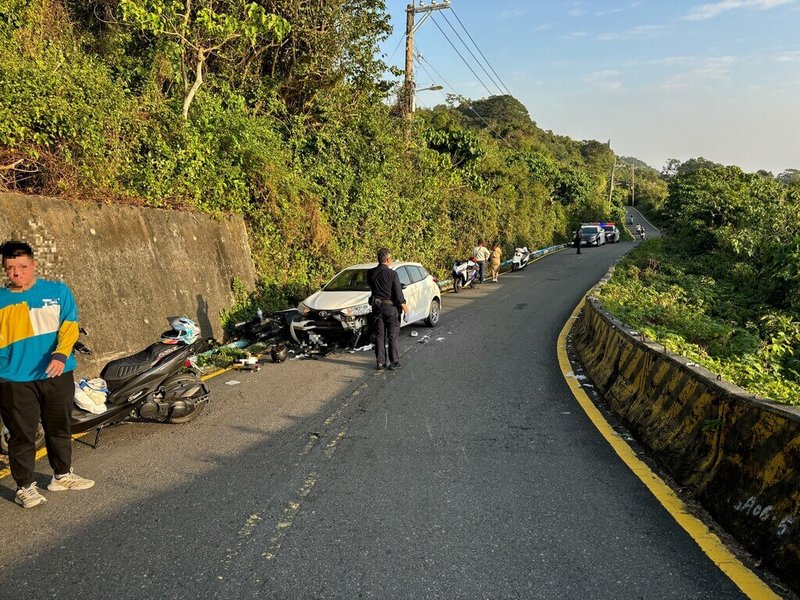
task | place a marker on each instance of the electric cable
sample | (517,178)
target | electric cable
(472,54)
(463,99)
(435,22)
(479,51)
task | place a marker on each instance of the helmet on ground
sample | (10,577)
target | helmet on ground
(278,353)
(183,330)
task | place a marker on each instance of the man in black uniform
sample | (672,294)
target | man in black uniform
(387,300)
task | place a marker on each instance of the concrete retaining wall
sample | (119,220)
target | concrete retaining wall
(739,453)
(131,267)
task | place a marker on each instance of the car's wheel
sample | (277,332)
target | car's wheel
(433,315)
(457,283)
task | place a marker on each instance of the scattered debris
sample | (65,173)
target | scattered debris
(441,339)
(301,356)
(566,412)
(414,334)
(366,348)
(692,364)
(233,382)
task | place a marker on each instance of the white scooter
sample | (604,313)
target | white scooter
(520,259)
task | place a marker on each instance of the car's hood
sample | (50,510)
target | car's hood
(323,300)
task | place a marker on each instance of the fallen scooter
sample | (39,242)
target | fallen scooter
(465,274)
(149,385)
(520,259)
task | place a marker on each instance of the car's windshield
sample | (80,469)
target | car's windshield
(591,230)
(349,280)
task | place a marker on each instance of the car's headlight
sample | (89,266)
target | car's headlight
(303,309)
(357,311)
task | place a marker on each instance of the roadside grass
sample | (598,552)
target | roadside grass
(672,298)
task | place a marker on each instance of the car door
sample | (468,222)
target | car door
(411,292)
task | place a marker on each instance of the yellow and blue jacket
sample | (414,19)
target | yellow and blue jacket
(36,326)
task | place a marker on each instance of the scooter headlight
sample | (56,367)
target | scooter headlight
(357,311)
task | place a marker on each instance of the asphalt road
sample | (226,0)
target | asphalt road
(470,473)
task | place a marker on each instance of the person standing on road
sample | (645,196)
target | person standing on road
(387,300)
(578,239)
(494,261)
(38,327)
(481,255)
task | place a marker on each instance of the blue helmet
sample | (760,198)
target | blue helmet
(183,330)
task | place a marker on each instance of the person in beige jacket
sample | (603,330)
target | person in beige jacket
(494,261)
(481,255)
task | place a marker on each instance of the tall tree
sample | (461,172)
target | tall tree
(201,29)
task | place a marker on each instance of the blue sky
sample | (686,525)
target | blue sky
(661,79)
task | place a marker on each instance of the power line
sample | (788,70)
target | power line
(479,50)
(435,22)
(480,64)
(463,100)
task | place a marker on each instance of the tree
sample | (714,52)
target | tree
(201,30)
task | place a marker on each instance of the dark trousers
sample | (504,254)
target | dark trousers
(22,405)
(577,244)
(481,268)
(387,324)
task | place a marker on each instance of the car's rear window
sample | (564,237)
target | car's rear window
(592,229)
(349,280)
(609,228)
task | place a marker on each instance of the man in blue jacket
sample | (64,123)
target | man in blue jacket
(38,327)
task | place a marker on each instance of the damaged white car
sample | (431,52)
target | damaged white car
(339,313)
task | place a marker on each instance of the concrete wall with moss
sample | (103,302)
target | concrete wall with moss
(739,454)
(132,267)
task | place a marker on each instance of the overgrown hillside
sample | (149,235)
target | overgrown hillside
(276,110)
(723,288)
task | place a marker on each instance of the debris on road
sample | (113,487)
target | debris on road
(414,334)
(233,382)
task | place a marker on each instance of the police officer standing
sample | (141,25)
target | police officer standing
(387,301)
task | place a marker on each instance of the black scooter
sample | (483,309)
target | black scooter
(149,385)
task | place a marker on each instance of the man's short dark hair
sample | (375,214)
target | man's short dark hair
(383,255)
(15,249)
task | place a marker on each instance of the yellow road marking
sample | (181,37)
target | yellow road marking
(747,581)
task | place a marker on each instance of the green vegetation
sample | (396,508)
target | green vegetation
(723,289)
(276,110)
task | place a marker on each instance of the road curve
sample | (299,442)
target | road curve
(472,472)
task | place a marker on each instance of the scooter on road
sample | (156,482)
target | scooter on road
(149,385)
(465,274)
(520,259)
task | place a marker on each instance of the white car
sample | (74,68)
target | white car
(340,311)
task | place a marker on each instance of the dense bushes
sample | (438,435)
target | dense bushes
(723,288)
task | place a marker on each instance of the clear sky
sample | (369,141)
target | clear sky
(660,78)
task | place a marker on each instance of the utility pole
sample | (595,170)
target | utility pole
(633,185)
(407,99)
(611,188)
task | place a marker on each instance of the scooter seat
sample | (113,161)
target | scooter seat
(118,371)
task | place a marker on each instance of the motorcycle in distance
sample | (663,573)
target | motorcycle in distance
(642,234)
(465,274)
(520,259)
(148,385)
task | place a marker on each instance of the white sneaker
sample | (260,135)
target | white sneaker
(70,481)
(28,497)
